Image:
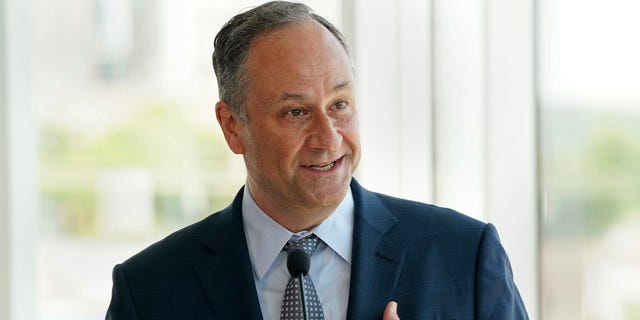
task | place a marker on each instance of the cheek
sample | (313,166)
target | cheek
(351,132)
(275,144)
(272,147)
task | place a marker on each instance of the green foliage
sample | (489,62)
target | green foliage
(632,311)
(614,151)
(69,210)
(613,170)
(593,178)
(158,137)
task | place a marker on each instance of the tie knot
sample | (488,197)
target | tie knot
(308,244)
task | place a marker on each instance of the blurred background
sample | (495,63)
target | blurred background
(521,113)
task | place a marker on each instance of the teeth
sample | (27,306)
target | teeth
(326,167)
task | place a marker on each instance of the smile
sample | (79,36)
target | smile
(324,167)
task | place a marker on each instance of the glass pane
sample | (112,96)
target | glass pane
(590,144)
(129,146)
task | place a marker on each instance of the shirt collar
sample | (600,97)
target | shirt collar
(266,238)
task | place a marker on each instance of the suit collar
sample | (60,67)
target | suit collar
(370,210)
(266,238)
(376,260)
(227,277)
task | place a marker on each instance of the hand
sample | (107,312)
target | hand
(391,311)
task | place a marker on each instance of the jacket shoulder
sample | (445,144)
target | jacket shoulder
(429,219)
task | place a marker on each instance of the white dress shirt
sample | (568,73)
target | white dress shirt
(330,268)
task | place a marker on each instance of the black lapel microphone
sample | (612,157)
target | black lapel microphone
(298,265)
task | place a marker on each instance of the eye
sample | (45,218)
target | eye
(340,104)
(297,112)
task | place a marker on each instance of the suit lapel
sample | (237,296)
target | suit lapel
(376,260)
(227,276)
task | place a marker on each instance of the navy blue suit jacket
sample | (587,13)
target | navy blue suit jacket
(435,262)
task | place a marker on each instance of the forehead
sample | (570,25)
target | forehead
(298,53)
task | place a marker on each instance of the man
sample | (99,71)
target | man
(287,104)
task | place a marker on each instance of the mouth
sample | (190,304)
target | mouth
(325,166)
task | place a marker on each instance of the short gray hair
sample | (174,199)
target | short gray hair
(232,44)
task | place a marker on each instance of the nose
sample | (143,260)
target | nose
(324,134)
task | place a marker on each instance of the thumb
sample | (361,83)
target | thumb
(391,311)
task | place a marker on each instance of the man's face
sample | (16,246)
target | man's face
(301,142)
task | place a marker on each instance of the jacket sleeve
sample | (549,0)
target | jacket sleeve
(496,294)
(121,306)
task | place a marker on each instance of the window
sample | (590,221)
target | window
(590,152)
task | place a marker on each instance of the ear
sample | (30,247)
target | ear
(231,126)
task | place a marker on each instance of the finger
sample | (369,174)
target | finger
(391,311)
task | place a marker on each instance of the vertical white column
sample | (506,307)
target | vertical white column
(459,97)
(4,192)
(391,53)
(378,98)
(511,139)
(416,130)
(18,172)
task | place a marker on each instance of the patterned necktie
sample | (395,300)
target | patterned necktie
(291,306)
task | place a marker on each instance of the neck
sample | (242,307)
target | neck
(293,218)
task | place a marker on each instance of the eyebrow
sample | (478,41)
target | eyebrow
(297,96)
(342,86)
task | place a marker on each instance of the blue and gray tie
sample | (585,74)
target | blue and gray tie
(291,304)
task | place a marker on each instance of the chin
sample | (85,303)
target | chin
(328,196)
